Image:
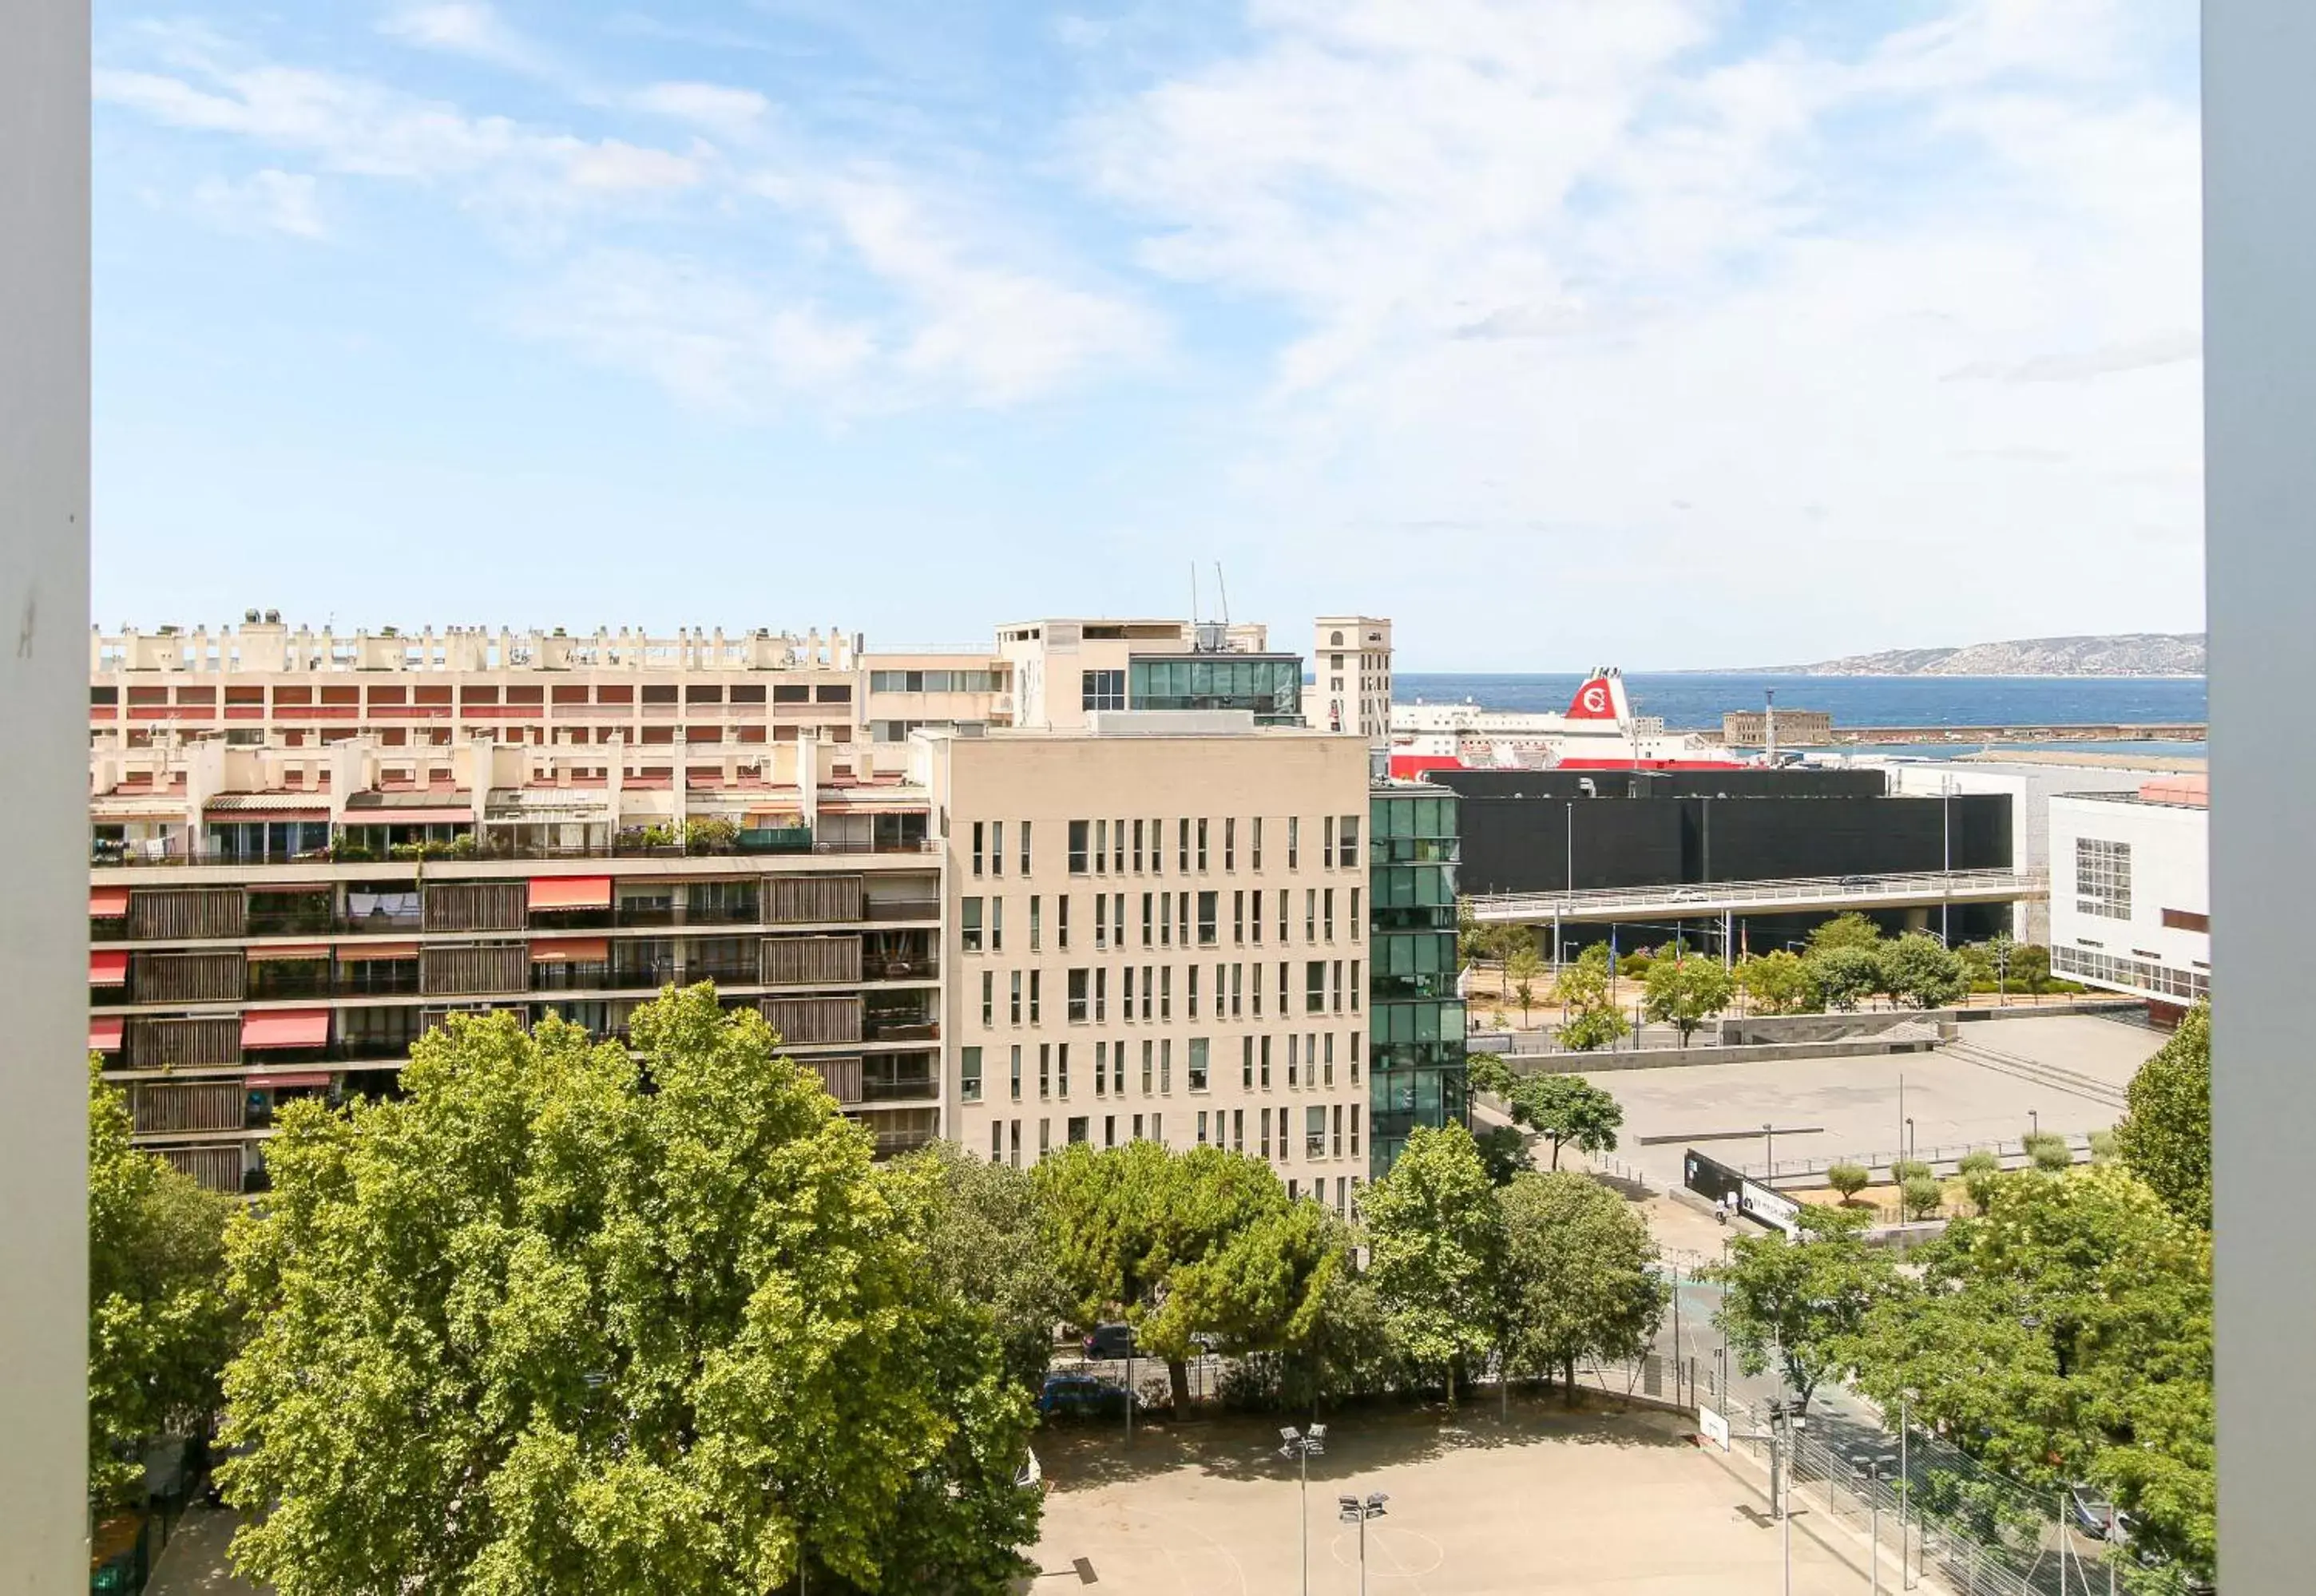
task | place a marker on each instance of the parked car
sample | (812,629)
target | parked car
(1081,1396)
(1110,1341)
(2093,1513)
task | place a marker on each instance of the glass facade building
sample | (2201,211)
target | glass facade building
(1269,685)
(1415,1039)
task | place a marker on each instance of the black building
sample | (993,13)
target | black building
(1556,831)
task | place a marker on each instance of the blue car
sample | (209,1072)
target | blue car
(1081,1396)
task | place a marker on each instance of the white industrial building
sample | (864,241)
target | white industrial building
(2131,891)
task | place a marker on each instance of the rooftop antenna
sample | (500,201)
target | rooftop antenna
(1223,589)
(1194,596)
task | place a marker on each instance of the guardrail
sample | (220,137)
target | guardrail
(1713,898)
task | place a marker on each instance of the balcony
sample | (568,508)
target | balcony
(900,967)
(902,908)
(112,856)
(873,1029)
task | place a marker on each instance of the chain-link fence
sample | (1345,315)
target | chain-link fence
(1950,1521)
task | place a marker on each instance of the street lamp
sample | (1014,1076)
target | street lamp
(2034,1122)
(1909,1136)
(1770,1154)
(1872,1468)
(1351,1510)
(1295,1444)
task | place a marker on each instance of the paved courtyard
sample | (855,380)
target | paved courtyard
(1580,1504)
(1827,1108)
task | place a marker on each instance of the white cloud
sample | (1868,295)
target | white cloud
(267,200)
(734,114)
(466,27)
(1547,267)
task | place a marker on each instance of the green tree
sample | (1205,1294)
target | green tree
(555,1320)
(1574,1281)
(1130,1224)
(1919,971)
(1980,1169)
(2001,956)
(2030,967)
(2166,1136)
(985,1243)
(1683,993)
(1799,1301)
(2067,1335)
(1779,983)
(1567,1109)
(2050,1152)
(160,1327)
(1847,973)
(1504,1151)
(1906,1169)
(1434,1235)
(1586,994)
(1849,1179)
(1921,1196)
(1845,931)
(1522,966)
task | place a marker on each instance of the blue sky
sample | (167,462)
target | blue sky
(1678,333)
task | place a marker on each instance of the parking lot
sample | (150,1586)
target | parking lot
(1826,1108)
(1551,1501)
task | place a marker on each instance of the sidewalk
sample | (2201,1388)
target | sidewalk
(193,1563)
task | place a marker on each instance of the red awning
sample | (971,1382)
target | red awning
(354,952)
(106,903)
(286,1028)
(290,1077)
(572,950)
(570,891)
(105,1033)
(107,969)
(302,950)
(408,817)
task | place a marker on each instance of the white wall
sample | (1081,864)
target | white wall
(2170,869)
(44,397)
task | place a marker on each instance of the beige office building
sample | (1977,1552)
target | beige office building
(1158,930)
(1351,661)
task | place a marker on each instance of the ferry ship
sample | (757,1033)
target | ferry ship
(1598,731)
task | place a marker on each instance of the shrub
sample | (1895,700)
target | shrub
(1921,1196)
(2104,1145)
(1907,1169)
(1633,965)
(1980,1169)
(2050,1151)
(1849,1179)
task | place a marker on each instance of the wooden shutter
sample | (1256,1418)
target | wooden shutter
(471,969)
(187,913)
(803,1022)
(796,960)
(806,900)
(477,906)
(841,1077)
(186,978)
(199,1106)
(219,1168)
(153,1044)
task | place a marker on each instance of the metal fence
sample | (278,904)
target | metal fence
(1948,1518)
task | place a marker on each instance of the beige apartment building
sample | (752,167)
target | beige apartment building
(1098,883)
(1350,690)
(1158,930)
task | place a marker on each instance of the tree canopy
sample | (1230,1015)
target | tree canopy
(1566,1109)
(1779,983)
(1185,1244)
(1574,1281)
(1799,1300)
(1847,973)
(1684,992)
(984,1242)
(1587,992)
(554,1321)
(1852,930)
(2165,1138)
(160,1327)
(2066,1335)
(1920,970)
(1434,1233)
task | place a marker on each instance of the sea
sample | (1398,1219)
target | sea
(1695,700)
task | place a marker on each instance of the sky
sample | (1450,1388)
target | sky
(1674,333)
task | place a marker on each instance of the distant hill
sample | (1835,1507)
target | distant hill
(2129,653)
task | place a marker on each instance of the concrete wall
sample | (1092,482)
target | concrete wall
(44,408)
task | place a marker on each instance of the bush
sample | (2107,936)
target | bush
(2104,1145)
(1980,1169)
(1849,1179)
(1921,1196)
(1907,1169)
(2050,1151)
(1635,965)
